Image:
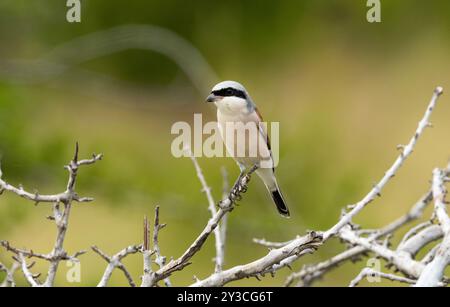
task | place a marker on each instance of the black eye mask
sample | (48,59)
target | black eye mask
(230,92)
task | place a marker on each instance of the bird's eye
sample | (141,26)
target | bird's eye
(229,92)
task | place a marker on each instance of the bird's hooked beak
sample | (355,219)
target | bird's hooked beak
(212,98)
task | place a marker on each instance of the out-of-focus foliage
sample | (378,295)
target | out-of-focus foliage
(345,92)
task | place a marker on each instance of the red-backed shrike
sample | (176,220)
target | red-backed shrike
(245,136)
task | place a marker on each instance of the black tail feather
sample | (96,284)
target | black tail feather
(280,203)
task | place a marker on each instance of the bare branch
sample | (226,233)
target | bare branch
(146,244)
(270,244)
(430,255)
(146,254)
(223,223)
(25,269)
(401,260)
(219,259)
(413,231)
(405,153)
(9,278)
(411,246)
(48,257)
(64,197)
(310,273)
(159,259)
(372,273)
(433,273)
(60,216)
(440,205)
(415,243)
(255,268)
(116,262)
(62,219)
(205,187)
(225,206)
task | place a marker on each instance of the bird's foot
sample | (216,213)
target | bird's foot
(241,185)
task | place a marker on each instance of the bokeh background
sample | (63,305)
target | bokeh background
(346,92)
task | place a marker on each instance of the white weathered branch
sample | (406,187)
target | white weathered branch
(405,153)
(116,262)
(412,243)
(159,259)
(48,257)
(400,260)
(225,206)
(147,255)
(430,255)
(64,197)
(371,272)
(271,244)
(31,279)
(309,273)
(414,230)
(223,222)
(415,243)
(219,244)
(60,217)
(440,204)
(9,280)
(434,271)
(255,268)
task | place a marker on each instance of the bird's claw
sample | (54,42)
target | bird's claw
(240,187)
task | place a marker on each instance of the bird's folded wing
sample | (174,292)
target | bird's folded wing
(262,127)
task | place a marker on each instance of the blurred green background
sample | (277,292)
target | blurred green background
(346,92)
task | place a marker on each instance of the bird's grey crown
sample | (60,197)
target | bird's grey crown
(229,84)
(230,89)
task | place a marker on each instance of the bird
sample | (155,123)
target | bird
(247,141)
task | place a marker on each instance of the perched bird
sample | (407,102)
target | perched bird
(245,137)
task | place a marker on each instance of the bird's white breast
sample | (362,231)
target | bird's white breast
(232,106)
(245,137)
